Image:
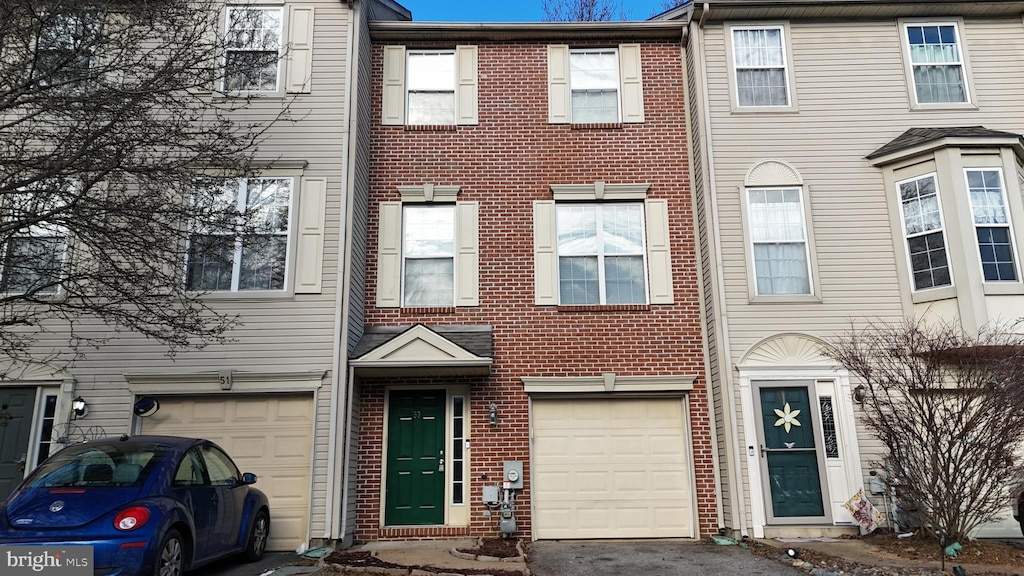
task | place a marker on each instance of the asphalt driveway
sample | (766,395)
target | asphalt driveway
(649,558)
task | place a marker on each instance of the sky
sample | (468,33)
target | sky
(504,11)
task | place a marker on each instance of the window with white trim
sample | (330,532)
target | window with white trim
(458,452)
(601,253)
(46,428)
(759,61)
(221,260)
(65,46)
(430,85)
(992,224)
(428,254)
(33,256)
(594,85)
(778,236)
(254,42)
(923,230)
(936,61)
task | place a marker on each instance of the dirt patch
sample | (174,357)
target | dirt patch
(923,547)
(496,547)
(358,560)
(342,560)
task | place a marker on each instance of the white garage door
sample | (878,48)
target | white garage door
(270,436)
(610,469)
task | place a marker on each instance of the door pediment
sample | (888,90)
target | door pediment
(422,350)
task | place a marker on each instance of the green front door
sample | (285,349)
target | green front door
(415,477)
(792,457)
(16,408)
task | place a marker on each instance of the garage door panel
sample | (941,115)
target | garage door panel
(270,436)
(610,469)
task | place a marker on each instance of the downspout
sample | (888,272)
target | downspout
(339,363)
(725,364)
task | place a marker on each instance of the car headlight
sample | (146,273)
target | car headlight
(131,518)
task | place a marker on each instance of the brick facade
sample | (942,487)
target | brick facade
(506,163)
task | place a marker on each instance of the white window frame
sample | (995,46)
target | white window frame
(241,202)
(805,240)
(601,280)
(961,51)
(453,257)
(458,434)
(49,41)
(409,54)
(786,71)
(617,85)
(40,231)
(942,230)
(282,41)
(1008,225)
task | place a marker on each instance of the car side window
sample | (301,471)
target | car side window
(190,471)
(221,469)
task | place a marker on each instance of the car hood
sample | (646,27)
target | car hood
(36,509)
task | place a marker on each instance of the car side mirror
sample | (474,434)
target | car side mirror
(248,478)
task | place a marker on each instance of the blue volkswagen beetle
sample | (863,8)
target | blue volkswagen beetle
(153,505)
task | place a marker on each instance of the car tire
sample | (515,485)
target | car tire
(256,544)
(170,557)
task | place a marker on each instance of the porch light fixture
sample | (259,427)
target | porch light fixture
(860,393)
(80,407)
(492,414)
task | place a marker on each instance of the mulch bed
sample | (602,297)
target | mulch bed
(496,547)
(365,559)
(924,547)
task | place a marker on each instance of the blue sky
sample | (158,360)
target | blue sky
(504,11)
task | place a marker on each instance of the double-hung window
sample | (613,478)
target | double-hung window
(253,58)
(220,259)
(428,250)
(992,224)
(33,256)
(779,237)
(601,254)
(431,87)
(923,230)
(65,46)
(594,82)
(937,63)
(759,60)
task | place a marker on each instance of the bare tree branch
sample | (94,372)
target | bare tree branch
(949,407)
(583,10)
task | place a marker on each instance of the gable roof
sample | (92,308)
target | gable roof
(958,135)
(423,350)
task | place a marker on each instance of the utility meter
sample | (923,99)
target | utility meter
(514,475)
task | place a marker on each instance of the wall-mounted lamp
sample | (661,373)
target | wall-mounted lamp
(80,407)
(492,414)
(146,406)
(860,393)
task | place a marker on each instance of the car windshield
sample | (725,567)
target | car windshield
(98,466)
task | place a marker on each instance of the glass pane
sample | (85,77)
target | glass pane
(624,280)
(762,87)
(828,427)
(431,108)
(33,263)
(221,469)
(758,48)
(254,28)
(920,206)
(429,282)
(267,203)
(429,231)
(577,229)
(210,262)
(928,260)
(933,45)
(939,83)
(431,71)
(623,229)
(595,106)
(594,69)
(263,264)
(250,70)
(577,279)
(781,268)
(776,215)
(986,190)
(996,254)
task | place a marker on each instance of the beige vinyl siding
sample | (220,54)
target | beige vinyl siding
(279,333)
(853,94)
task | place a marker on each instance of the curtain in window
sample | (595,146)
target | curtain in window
(780,246)
(594,78)
(429,252)
(760,67)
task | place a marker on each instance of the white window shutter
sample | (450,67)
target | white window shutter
(467,263)
(389,255)
(631,83)
(545,253)
(300,49)
(466,97)
(393,102)
(309,264)
(559,98)
(659,256)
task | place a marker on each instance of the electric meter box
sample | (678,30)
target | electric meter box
(514,474)
(490,495)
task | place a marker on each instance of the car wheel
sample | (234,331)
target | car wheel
(258,534)
(170,559)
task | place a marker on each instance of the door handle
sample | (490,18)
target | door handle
(21,462)
(440,465)
(762,450)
